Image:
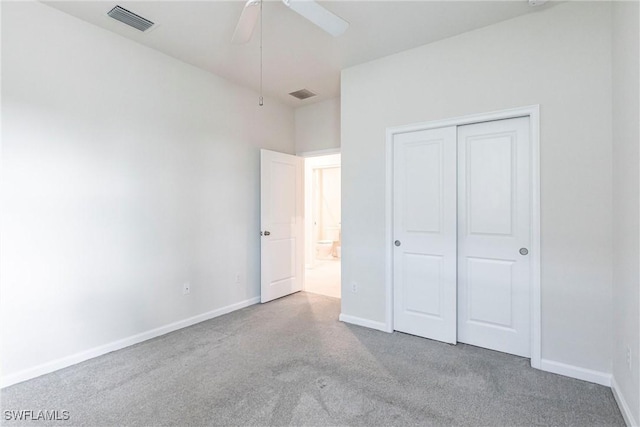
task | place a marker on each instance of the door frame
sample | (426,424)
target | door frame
(533,112)
(307,206)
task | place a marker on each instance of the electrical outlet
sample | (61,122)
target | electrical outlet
(186,288)
(354,287)
(628,357)
(237,278)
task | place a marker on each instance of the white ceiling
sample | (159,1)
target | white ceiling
(297,54)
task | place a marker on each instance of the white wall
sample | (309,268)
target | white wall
(318,126)
(125,174)
(626,205)
(558,57)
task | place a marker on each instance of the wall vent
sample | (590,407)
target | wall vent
(302,94)
(131,19)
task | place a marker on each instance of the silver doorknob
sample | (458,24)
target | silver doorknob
(397,243)
(523,251)
(267,233)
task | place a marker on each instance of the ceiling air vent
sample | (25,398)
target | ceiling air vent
(131,19)
(302,94)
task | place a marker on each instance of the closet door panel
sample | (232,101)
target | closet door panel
(494,235)
(424,212)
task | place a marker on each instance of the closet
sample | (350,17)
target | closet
(462,233)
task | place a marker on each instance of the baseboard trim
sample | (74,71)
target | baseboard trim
(622,404)
(380,326)
(576,372)
(73,359)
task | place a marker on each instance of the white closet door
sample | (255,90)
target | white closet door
(424,223)
(494,235)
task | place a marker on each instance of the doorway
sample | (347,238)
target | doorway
(323,225)
(463,231)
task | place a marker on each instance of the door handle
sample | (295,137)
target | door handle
(267,233)
(397,243)
(523,251)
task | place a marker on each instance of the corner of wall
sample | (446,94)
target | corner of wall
(625,409)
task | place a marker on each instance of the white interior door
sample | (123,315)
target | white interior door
(494,235)
(424,226)
(282,224)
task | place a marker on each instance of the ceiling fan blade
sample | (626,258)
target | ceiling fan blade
(320,16)
(247,22)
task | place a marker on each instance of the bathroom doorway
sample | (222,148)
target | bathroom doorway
(323,225)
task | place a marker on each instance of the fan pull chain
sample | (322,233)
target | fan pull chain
(261,101)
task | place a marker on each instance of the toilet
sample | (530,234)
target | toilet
(329,247)
(324,249)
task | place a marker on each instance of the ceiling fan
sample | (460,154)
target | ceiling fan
(308,9)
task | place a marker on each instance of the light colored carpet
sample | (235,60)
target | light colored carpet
(291,362)
(324,278)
